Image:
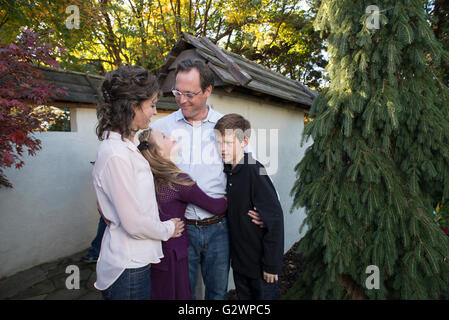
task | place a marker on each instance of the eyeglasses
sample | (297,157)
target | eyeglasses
(188,95)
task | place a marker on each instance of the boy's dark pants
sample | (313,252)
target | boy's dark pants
(255,289)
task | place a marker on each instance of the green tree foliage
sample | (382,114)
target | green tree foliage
(439,15)
(47,19)
(380,152)
(275,33)
(285,42)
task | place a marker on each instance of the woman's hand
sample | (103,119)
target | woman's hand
(179,227)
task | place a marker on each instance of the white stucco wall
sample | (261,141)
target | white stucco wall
(50,213)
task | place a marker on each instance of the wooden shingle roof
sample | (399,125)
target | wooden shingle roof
(233,70)
(230,70)
(83,88)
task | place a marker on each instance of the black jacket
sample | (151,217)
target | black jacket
(254,249)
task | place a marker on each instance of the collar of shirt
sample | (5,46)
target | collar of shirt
(212,115)
(247,159)
(117,136)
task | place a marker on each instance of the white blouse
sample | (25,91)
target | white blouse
(125,190)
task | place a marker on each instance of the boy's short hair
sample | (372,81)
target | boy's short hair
(235,122)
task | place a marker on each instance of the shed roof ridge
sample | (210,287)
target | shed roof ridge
(309,91)
(97,76)
(237,72)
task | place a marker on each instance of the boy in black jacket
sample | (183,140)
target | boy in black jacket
(256,253)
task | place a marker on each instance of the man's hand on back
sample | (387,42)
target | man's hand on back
(255,218)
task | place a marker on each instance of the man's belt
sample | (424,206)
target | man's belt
(206,222)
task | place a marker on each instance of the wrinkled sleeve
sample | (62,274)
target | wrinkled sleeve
(267,205)
(118,183)
(193,194)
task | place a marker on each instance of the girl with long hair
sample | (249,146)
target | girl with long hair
(174,191)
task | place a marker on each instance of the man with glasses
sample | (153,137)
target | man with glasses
(193,127)
(188,95)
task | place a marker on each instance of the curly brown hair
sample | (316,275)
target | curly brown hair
(122,89)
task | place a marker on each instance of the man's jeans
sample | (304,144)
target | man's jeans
(95,247)
(133,284)
(209,247)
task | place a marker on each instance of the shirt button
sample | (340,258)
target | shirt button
(230,184)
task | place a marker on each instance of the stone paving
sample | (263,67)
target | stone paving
(48,282)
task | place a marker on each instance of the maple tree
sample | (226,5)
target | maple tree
(21,88)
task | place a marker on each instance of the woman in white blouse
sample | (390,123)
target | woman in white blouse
(125,189)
